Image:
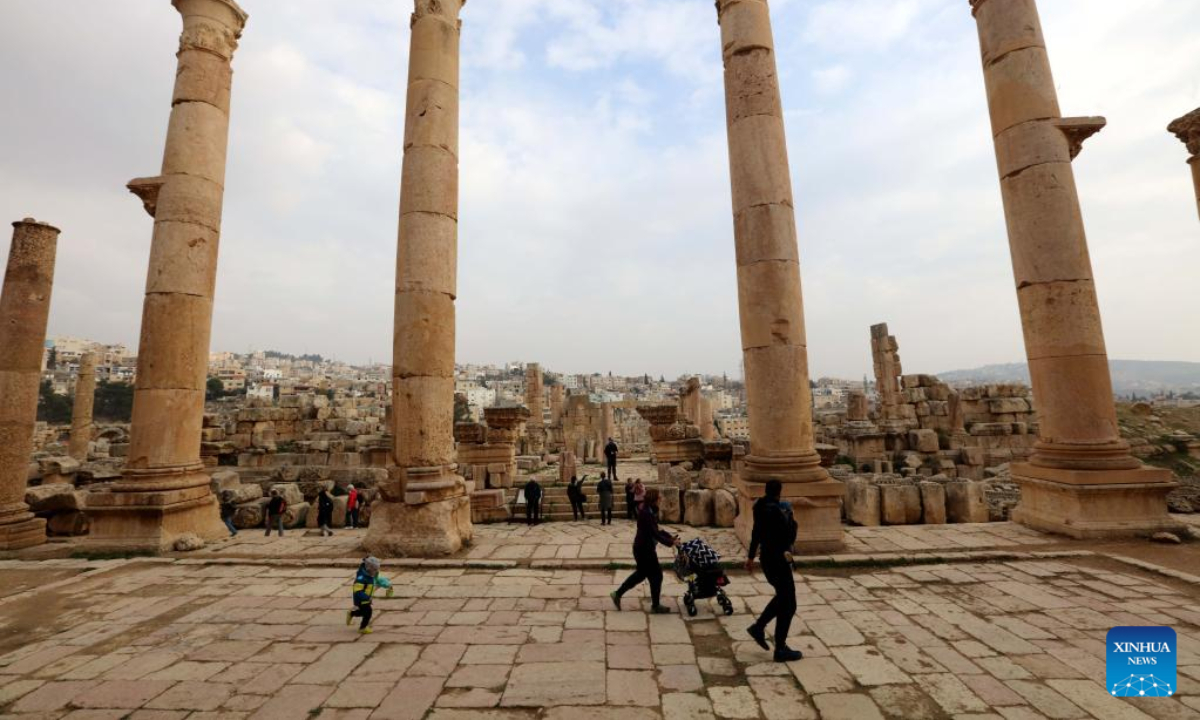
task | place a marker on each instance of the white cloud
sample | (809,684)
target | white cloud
(595,222)
(831,79)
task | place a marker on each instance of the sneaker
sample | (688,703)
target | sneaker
(661,610)
(786,654)
(349,616)
(759,635)
(615,598)
(365,631)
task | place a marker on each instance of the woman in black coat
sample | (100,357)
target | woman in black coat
(325,512)
(645,553)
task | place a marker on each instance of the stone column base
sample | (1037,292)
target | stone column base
(1092,504)
(820,523)
(151,521)
(430,529)
(23,533)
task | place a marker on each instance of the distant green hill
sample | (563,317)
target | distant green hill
(1143,377)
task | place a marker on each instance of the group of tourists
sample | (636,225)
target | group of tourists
(276,508)
(577,492)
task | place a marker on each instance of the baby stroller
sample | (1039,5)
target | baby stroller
(697,564)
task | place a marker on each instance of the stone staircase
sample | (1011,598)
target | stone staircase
(555,505)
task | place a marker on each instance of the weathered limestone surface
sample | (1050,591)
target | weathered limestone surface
(535,429)
(81,414)
(24,312)
(1187,129)
(698,507)
(862,502)
(933,503)
(886,361)
(424,508)
(900,504)
(966,502)
(1082,479)
(770,304)
(165,490)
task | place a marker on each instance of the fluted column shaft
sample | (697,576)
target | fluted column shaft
(768,259)
(1187,129)
(24,313)
(81,414)
(186,203)
(1060,316)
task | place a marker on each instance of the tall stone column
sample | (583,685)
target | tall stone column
(165,491)
(426,509)
(81,415)
(24,312)
(1082,479)
(1187,129)
(535,398)
(769,299)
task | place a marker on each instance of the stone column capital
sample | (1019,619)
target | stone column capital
(211,25)
(447,9)
(1187,129)
(1079,129)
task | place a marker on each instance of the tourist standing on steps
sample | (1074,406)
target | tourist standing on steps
(630,509)
(576,497)
(775,533)
(610,457)
(639,495)
(228,509)
(276,507)
(325,512)
(351,507)
(645,554)
(533,502)
(604,489)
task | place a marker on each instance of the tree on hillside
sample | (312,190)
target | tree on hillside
(52,407)
(214,389)
(114,402)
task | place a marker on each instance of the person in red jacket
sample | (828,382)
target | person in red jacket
(351,507)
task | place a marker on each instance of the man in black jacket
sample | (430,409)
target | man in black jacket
(533,502)
(610,458)
(775,533)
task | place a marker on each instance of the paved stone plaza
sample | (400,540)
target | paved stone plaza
(209,637)
(569,543)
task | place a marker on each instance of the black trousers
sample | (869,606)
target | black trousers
(647,569)
(363,611)
(612,468)
(782,607)
(577,509)
(605,515)
(630,510)
(533,511)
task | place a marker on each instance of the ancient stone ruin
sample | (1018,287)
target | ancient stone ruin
(927,444)
(1187,129)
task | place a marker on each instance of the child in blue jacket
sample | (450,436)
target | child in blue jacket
(365,582)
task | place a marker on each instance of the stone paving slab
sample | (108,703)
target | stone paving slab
(587,543)
(971,639)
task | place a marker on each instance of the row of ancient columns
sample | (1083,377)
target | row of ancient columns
(1082,479)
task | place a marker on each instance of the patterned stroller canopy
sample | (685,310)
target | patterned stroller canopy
(699,553)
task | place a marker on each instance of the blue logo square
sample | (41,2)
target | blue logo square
(1141,661)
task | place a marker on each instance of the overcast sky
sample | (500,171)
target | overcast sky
(596,231)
